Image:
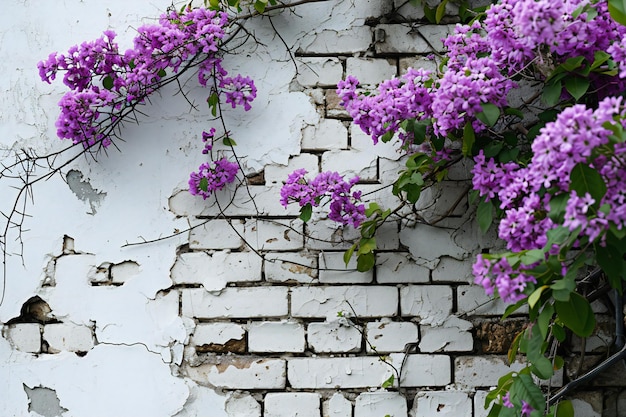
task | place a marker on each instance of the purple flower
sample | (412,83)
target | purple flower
(238,91)
(526,409)
(212,177)
(208,138)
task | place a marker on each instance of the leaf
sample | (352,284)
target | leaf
(524,387)
(536,295)
(228,141)
(107,82)
(611,260)
(373,208)
(305,212)
(544,319)
(558,204)
(512,353)
(617,9)
(552,93)
(564,409)
(484,215)
(577,86)
(348,254)
(584,179)
(367,245)
(212,101)
(532,256)
(388,382)
(204,184)
(441,11)
(559,332)
(259,6)
(429,13)
(489,115)
(365,262)
(469,137)
(577,315)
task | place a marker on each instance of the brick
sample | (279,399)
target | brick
(431,243)
(355,39)
(25,337)
(337,406)
(329,235)
(482,371)
(404,39)
(206,334)
(333,270)
(431,304)
(361,141)
(68,337)
(351,163)
(122,272)
(215,271)
(277,174)
(366,301)
(242,405)
(257,302)
(334,336)
(292,404)
(319,72)
(442,404)
(381,403)
(371,71)
(274,234)
(418,62)
(453,270)
(291,267)
(453,335)
(479,404)
(472,300)
(424,370)
(394,267)
(390,336)
(334,109)
(328,134)
(272,336)
(217,234)
(337,373)
(240,372)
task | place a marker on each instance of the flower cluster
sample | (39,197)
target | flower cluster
(105,84)
(501,277)
(212,177)
(344,207)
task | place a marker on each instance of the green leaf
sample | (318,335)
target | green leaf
(577,86)
(552,93)
(611,260)
(542,367)
(204,184)
(536,295)
(161,73)
(599,58)
(512,353)
(544,319)
(305,212)
(348,254)
(228,141)
(367,245)
(577,315)
(213,101)
(365,262)
(531,256)
(558,204)
(413,192)
(585,179)
(388,382)
(564,409)
(524,388)
(441,11)
(572,64)
(371,209)
(107,82)
(617,9)
(469,137)
(484,215)
(430,14)
(259,6)
(489,115)
(511,111)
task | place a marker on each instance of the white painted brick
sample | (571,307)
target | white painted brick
(242,405)
(351,163)
(380,403)
(367,301)
(235,302)
(387,235)
(371,71)
(479,404)
(334,336)
(68,337)
(355,39)
(442,404)
(432,304)
(453,335)
(319,72)
(292,404)
(217,333)
(424,370)
(216,270)
(400,38)
(482,371)
(291,267)
(240,372)
(274,234)
(328,134)
(472,300)
(333,270)
(388,169)
(394,267)
(277,174)
(419,62)
(337,406)
(25,337)
(122,272)
(271,336)
(431,243)
(334,108)
(337,373)
(329,235)
(453,270)
(361,141)
(217,234)
(390,336)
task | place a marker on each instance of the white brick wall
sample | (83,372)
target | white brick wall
(337,406)
(366,301)
(25,337)
(251,302)
(424,370)
(389,336)
(217,234)
(271,336)
(240,372)
(68,337)
(217,333)
(432,304)
(442,404)
(287,404)
(381,403)
(333,270)
(335,336)
(337,373)
(313,72)
(371,71)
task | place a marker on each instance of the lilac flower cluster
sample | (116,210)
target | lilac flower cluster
(104,83)
(501,277)
(212,177)
(344,207)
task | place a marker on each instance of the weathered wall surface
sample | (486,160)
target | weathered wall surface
(251,313)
